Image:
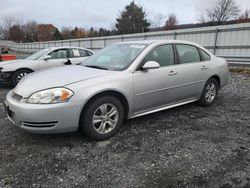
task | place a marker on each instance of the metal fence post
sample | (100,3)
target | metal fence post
(175,35)
(105,41)
(215,40)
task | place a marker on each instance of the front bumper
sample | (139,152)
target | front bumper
(43,118)
(5,77)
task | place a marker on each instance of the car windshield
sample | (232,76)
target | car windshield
(38,54)
(116,57)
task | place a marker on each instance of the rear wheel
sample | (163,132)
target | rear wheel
(102,118)
(19,75)
(209,93)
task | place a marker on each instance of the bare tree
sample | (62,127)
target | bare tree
(158,20)
(7,23)
(16,33)
(67,33)
(201,18)
(224,10)
(171,21)
(245,15)
(30,31)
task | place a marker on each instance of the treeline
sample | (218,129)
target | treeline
(131,20)
(32,32)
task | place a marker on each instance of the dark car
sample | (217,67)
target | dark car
(4,50)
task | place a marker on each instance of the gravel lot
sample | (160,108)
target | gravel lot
(188,146)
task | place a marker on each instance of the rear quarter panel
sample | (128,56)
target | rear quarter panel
(218,67)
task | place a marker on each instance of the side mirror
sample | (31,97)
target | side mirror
(67,62)
(150,65)
(47,57)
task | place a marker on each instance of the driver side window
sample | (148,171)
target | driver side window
(164,55)
(59,54)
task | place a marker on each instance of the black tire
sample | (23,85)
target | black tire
(15,76)
(203,101)
(86,126)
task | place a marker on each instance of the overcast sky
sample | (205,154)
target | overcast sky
(100,13)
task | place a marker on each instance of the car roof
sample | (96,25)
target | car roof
(159,42)
(147,42)
(71,47)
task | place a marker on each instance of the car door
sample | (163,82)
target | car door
(192,72)
(57,58)
(156,87)
(78,55)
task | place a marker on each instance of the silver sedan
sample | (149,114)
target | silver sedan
(124,80)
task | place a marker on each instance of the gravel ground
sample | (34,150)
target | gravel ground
(188,146)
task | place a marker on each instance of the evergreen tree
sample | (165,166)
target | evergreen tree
(92,32)
(57,35)
(132,20)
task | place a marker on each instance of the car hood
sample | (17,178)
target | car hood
(56,77)
(13,62)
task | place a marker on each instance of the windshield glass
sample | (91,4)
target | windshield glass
(38,54)
(116,57)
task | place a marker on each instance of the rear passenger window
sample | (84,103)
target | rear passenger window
(187,53)
(163,55)
(204,56)
(76,53)
(83,53)
(89,53)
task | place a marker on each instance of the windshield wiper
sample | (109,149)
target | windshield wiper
(96,67)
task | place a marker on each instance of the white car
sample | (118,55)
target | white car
(14,71)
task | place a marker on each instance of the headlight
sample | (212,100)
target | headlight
(50,96)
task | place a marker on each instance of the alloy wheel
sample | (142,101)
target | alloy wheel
(21,76)
(105,118)
(211,92)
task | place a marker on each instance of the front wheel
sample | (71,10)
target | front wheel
(19,75)
(102,118)
(209,93)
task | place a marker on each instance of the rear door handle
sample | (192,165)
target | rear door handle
(204,67)
(171,73)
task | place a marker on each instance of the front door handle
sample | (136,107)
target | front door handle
(171,73)
(204,67)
